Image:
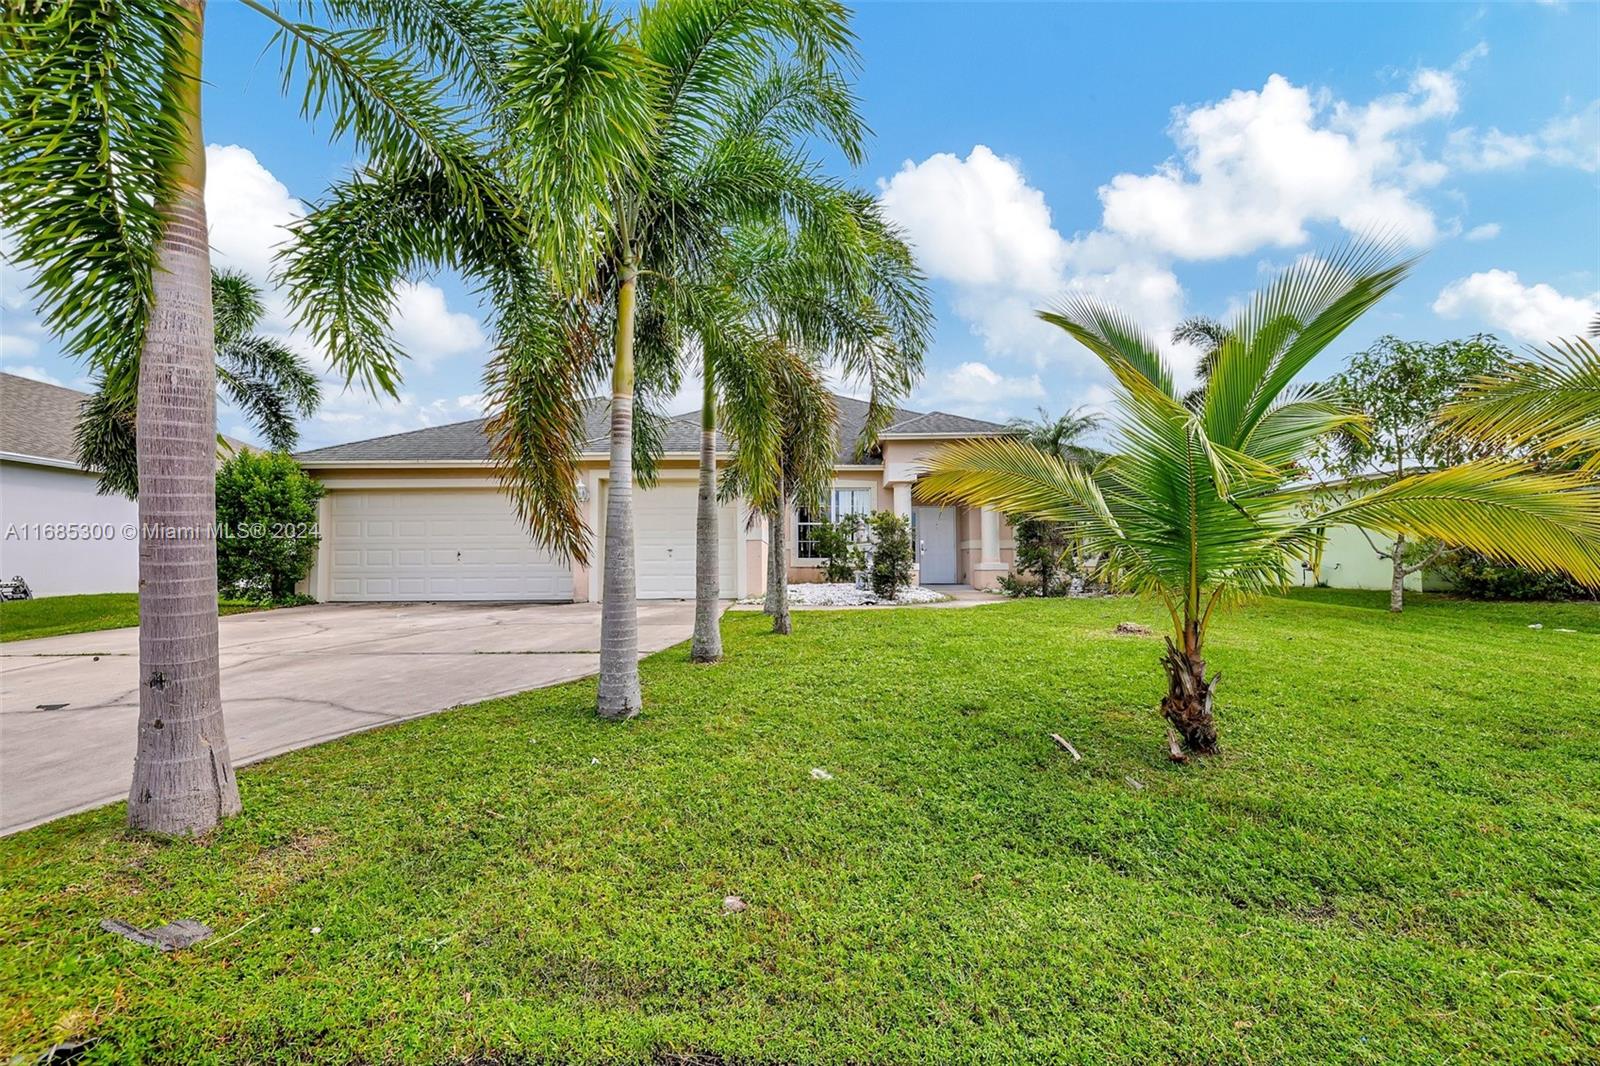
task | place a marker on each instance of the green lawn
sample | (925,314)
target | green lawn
(1396,859)
(51,616)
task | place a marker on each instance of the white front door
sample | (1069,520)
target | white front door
(663,537)
(936,544)
(450,544)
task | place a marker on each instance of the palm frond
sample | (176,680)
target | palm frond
(88,127)
(1551,401)
(1506,511)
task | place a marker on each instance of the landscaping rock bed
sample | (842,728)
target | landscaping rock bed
(827,594)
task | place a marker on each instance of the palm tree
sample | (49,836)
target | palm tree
(1208,335)
(262,377)
(848,296)
(1200,507)
(807,442)
(634,144)
(645,139)
(1550,402)
(1061,435)
(103,174)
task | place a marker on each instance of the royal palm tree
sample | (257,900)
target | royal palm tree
(645,138)
(843,292)
(1550,402)
(103,172)
(263,378)
(634,143)
(1200,507)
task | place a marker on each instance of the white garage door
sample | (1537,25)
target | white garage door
(663,531)
(463,544)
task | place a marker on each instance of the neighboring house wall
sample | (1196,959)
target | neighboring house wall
(100,558)
(1349,562)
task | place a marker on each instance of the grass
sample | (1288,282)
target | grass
(1396,859)
(53,616)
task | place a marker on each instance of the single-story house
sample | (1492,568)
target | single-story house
(420,516)
(59,534)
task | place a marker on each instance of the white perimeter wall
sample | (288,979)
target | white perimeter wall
(49,495)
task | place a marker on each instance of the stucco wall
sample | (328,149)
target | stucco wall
(1349,562)
(51,496)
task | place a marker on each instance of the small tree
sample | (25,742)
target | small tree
(1042,549)
(1401,386)
(267,523)
(892,556)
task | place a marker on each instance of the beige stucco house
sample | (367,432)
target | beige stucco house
(419,516)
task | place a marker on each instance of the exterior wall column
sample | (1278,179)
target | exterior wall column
(902,507)
(990,543)
(902,499)
(986,575)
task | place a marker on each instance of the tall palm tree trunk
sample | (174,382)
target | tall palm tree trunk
(777,602)
(619,611)
(183,778)
(706,647)
(1187,704)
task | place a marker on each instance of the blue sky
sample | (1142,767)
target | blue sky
(1165,157)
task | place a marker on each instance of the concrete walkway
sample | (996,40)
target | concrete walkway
(290,678)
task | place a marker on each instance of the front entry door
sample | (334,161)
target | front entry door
(936,544)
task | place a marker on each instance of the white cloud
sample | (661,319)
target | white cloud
(353,415)
(1255,169)
(975,389)
(428,330)
(248,210)
(1565,141)
(1534,313)
(16,346)
(978,224)
(33,372)
(1486,232)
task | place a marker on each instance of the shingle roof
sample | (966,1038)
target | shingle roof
(38,419)
(467,442)
(853,418)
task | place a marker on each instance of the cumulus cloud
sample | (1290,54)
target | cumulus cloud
(1565,141)
(977,223)
(250,211)
(353,415)
(1486,232)
(1257,168)
(1534,313)
(977,390)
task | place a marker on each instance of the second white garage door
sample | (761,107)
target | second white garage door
(663,528)
(462,544)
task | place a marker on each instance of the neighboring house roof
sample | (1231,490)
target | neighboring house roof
(468,442)
(37,419)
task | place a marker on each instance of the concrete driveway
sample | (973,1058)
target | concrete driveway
(290,678)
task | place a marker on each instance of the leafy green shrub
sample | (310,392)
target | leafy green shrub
(1044,549)
(839,547)
(267,526)
(892,554)
(1480,578)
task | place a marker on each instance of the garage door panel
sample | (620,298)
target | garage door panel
(464,544)
(664,542)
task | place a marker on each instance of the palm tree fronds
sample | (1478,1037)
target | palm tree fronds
(1551,401)
(1543,521)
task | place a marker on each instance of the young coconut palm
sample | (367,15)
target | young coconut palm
(102,170)
(1198,507)
(266,380)
(638,146)
(1550,402)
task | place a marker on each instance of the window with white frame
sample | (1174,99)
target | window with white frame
(841,502)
